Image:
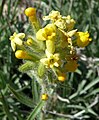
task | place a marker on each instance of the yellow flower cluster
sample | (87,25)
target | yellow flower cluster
(60,21)
(56,43)
(60,36)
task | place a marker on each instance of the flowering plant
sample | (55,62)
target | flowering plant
(50,53)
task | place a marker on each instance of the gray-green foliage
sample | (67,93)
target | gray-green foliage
(78,98)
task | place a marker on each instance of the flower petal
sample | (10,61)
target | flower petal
(21,35)
(13,45)
(18,41)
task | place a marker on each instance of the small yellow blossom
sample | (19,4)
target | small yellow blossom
(51,60)
(71,66)
(62,77)
(29,41)
(20,54)
(30,12)
(46,33)
(65,23)
(16,39)
(69,22)
(44,96)
(61,23)
(53,15)
(83,39)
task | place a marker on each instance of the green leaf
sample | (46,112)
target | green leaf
(36,110)
(78,71)
(92,112)
(6,109)
(94,92)
(94,82)
(35,90)
(22,98)
(9,7)
(89,73)
(26,66)
(2,80)
(75,106)
(2,3)
(41,70)
(80,87)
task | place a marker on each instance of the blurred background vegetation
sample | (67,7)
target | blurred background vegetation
(81,88)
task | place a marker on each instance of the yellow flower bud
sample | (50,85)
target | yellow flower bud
(20,54)
(44,96)
(62,77)
(83,39)
(29,41)
(30,12)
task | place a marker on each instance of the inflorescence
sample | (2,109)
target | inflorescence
(51,48)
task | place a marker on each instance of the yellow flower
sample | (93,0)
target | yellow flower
(20,54)
(46,33)
(61,23)
(44,96)
(30,12)
(53,15)
(62,77)
(65,23)
(16,39)
(71,66)
(83,39)
(69,22)
(51,60)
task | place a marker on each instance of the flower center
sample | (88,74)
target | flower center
(51,60)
